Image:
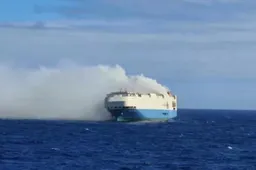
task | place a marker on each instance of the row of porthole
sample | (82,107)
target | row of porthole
(123,107)
(125,95)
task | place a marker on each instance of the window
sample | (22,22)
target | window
(173,104)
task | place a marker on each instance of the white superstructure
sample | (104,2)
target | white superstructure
(123,99)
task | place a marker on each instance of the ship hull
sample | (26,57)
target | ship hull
(142,114)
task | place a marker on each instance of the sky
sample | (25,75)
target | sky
(203,50)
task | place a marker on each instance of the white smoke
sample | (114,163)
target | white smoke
(65,92)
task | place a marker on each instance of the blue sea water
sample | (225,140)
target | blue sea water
(197,139)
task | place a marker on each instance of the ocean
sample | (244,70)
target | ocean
(196,139)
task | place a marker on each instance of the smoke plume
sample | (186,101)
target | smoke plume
(65,92)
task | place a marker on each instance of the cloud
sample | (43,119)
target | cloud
(211,50)
(143,26)
(175,10)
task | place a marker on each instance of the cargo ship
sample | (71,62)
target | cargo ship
(134,106)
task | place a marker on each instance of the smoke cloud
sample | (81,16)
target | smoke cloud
(67,91)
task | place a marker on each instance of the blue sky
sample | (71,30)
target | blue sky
(204,50)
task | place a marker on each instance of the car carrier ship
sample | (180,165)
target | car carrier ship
(133,106)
